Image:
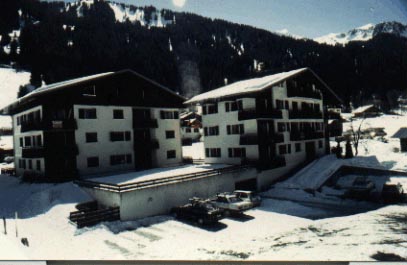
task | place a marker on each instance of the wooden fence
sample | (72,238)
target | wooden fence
(90,218)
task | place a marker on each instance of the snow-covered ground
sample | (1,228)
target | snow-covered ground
(278,230)
(10,81)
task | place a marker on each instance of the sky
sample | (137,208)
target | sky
(307,18)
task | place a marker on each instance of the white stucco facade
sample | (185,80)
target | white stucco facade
(104,147)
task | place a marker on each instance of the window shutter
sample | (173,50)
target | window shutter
(230,152)
(81,113)
(227,106)
(128,136)
(176,115)
(228,129)
(241,129)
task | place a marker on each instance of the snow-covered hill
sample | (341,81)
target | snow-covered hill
(124,13)
(10,81)
(364,33)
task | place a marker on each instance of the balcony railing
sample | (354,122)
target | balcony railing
(33,152)
(250,114)
(52,150)
(147,144)
(304,114)
(53,124)
(299,136)
(145,123)
(293,92)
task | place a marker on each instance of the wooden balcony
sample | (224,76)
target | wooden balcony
(251,114)
(33,152)
(304,114)
(49,125)
(145,123)
(310,135)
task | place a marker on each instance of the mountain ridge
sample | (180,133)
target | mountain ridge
(364,33)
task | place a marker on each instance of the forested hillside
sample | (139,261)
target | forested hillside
(186,52)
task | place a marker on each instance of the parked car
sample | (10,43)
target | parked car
(392,193)
(198,210)
(230,203)
(249,196)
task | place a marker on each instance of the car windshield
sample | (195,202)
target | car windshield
(234,199)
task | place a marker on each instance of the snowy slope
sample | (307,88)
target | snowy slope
(10,81)
(364,33)
(278,230)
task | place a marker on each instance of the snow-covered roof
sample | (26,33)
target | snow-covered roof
(245,86)
(250,86)
(401,133)
(64,84)
(362,109)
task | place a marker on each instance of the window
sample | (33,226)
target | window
(289,148)
(286,105)
(169,115)
(93,161)
(239,105)
(21,142)
(279,104)
(30,164)
(89,91)
(231,106)
(87,113)
(128,159)
(209,131)
(170,134)
(120,136)
(281,127)
(210,109)
(298,147)
(196,130)
(320,144)
(20,163)
(18,120)
(171,154)
(237,152)
(39,140)
(212,152)
(235,129)
(282,149)
(188,130)
(38,166)
(118,114)
(91,137)
(118,160)
(23,163)
(295,105)
(127,136)
(27,141)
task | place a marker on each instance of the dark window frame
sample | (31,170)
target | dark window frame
(118,114)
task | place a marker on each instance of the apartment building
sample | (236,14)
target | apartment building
(104,123)
(275,122)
